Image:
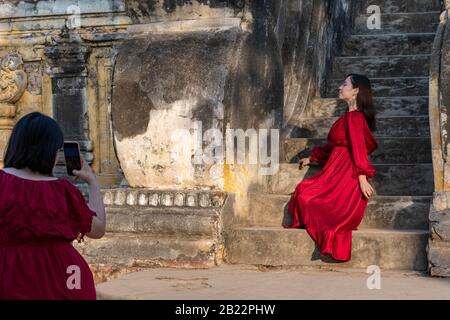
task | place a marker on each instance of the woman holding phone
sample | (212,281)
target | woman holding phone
(41,215)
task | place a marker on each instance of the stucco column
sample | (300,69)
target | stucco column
(66,61)
(13,81)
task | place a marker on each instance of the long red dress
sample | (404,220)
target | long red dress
(330,204)
(38,222)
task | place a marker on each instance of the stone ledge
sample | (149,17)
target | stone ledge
(141,250)
(163,221)
(439,242)
(275,246)
(439,256)
(440,230)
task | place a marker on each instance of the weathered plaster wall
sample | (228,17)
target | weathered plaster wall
(230,64)
(173,80)
(314,33)
(229,78)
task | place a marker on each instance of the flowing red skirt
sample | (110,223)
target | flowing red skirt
(330,204)
(27,273)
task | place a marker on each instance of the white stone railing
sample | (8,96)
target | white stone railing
(141,197)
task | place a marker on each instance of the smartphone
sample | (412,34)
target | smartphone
(72,156)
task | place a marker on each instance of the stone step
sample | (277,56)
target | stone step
(414,22)
(162,221)
(276,246)
(390,150)
(384,106)
(388,44)
(389,127)
(398,6)
(144,250)
(382,212)
(390,179)
(382,66)
(385,87)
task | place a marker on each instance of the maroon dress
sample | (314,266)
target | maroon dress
(330,204)
(38,222)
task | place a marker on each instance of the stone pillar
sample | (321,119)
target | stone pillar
(13,81)
(438,249)
(66,61)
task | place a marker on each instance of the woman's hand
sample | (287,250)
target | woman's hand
(303,162)
(365,186)
(85,173)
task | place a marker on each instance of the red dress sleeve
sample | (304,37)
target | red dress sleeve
(356,126)
(80,215)
(321,154)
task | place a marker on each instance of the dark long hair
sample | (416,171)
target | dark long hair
(34,143)
(364,99)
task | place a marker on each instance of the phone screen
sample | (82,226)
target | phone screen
(72,156)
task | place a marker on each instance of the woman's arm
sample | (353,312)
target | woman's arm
(321,154)
(358,150)
(96,204)
(95,200)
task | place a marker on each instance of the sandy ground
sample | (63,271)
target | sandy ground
(250,282)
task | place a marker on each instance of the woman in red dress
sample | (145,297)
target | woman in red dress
(331,203)
(41,215)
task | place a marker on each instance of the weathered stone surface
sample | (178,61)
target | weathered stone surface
(150,11)
(388,44)
(17,9)
(401,22)
(189,82)
(439,256)
(140,250)
(382,212)
(386,107)
(13,81)
(382,66)
(386,87)
(283,247)
(390,150)
(388,180)
(171,92)
(441,201)
(160,231)
(314,31)
(439,216)
(399,6)
(440,230)
(171,221)
(411,126)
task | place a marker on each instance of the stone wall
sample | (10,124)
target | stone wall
(272,58)
(68,71)
(314,33)
(123,76)
(148,228)
(116,70)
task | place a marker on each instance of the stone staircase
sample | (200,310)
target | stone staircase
(395,230)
